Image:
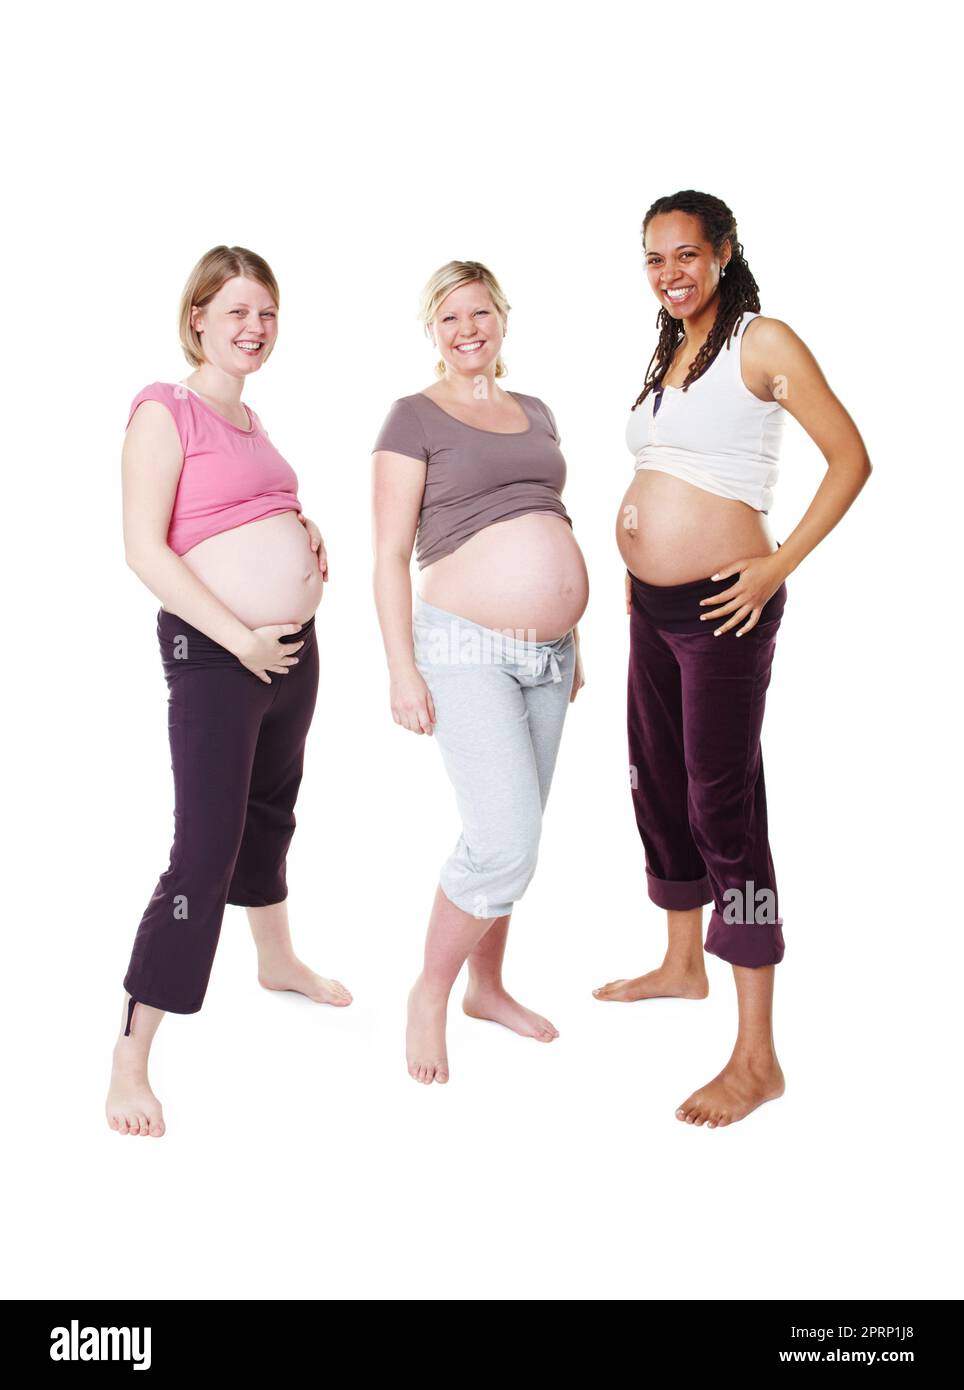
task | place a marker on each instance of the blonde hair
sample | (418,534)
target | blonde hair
(451,277)
(214,269)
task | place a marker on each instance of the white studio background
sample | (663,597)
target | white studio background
(358,150)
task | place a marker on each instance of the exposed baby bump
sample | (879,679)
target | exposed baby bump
(265,572)
(527,573)
(670,532)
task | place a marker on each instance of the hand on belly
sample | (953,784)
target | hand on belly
(527,574)
(265,571)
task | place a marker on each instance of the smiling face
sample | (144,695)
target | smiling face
(467,329)
(683,269)
(238,326)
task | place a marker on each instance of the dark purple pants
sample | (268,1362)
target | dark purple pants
(695,714)
(237,752)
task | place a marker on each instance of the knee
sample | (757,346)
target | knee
(716,815)
(488,880)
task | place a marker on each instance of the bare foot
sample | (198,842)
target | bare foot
(295,975)
(425,1036)
(488,1002)
(742,1085)
(668,982)
(132,1107)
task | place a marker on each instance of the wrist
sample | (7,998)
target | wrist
(784,563)
(402,665)
(241,644)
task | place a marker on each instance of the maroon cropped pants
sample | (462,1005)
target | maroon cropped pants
(237,753)
(695,715)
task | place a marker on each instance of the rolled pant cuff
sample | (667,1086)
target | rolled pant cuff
(745,943)
(678,895)
(239,897)
(474,904)
(169,1004)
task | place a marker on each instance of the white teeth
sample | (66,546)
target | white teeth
(249,346)
(679,294)
(467,347)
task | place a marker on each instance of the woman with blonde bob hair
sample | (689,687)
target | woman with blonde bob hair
(471,475)
(214,528)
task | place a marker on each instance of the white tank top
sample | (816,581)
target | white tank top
(716,434)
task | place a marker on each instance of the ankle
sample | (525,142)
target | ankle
(484,984)
(755,1054)
(127,1060)
(687,965)
(431,989)
(269,963)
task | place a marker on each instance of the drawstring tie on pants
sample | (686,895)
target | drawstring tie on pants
(536,664)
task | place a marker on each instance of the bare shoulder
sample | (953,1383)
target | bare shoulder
(766,337)
(773,353)
(764,334)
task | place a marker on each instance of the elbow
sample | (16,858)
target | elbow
(388,556)
(141,558)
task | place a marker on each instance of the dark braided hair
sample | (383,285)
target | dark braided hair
(738,291)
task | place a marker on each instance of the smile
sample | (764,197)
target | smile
(470,347)
(249,346)
(677,296)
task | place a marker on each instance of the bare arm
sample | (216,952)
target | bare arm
(781,361)
(151,465)
(795,378)
(398,483)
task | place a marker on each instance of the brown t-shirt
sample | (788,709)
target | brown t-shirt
(475,477)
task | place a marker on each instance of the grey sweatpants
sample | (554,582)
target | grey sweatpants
(500,703)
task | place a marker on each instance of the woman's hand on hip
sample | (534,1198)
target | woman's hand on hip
(411,699)
(263,652)
(757,581)
(317,544)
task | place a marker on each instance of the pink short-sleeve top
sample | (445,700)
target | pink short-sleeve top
(230,476)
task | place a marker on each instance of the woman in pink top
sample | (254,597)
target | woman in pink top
(214,528)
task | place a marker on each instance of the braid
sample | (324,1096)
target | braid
(738,291)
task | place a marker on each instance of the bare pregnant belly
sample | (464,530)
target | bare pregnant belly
(265,571)
(527,574)
(670,532)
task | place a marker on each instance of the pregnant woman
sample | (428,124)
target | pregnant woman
(706,590)
(214,528)
(472,475)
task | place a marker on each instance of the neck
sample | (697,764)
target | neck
(696,329)
(466,387)
(217,384)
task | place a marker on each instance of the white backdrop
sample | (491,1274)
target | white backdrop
(357,152)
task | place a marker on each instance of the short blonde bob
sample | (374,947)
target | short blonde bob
(214,269)
(450,277)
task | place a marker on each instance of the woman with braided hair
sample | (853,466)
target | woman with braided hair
(705,593)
